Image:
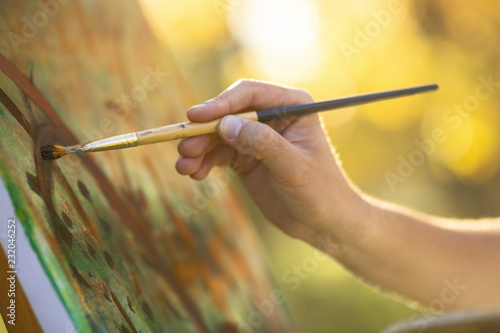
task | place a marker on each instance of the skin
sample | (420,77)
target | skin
(291,171)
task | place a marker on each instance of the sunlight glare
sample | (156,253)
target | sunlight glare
(282,37)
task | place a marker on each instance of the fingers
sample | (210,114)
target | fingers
(199,167)
(222,155)
(195,146)
(200,154)
(248,94)
(260,141)
(189,165)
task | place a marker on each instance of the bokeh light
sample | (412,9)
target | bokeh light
(282,36)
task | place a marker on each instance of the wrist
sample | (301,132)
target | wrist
(348,227)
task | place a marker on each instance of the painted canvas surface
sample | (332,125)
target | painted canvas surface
(128,244)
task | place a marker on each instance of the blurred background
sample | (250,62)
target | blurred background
(437,153)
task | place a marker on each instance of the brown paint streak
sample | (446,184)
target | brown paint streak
(124,173)
(33,184)
(106,296)
(109,259)
(62,232)
(130,305)
(29,89)
(228,328)
(105,227)
(16,113)
(122,311)
(123,329)
(67,220)
(147,310)
(84,190)
(79,277)
(137,288)
(91,250)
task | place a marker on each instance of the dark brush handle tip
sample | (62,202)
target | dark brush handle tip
(303,109)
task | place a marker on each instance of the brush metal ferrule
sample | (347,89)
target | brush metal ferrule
(114,142)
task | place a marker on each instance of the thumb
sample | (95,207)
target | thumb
(260,141)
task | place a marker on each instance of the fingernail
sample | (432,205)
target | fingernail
(230,127)
(194,107)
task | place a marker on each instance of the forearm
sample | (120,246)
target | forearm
(290,171)
(443,264)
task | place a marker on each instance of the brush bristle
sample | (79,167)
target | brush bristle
(52,152)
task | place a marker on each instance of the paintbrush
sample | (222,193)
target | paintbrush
(190,129)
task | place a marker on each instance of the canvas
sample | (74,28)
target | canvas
(128,244)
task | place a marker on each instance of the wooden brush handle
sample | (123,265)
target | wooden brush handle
(183,130)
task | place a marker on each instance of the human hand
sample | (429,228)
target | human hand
(287,165)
